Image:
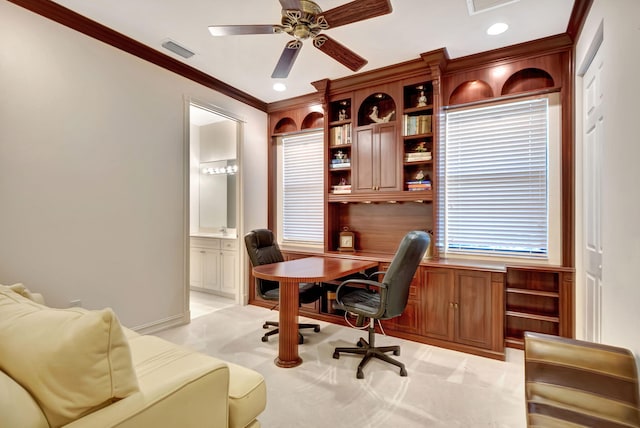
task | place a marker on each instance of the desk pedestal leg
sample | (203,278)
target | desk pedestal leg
(288,336)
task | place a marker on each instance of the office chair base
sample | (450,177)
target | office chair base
(369,350)
(267,324)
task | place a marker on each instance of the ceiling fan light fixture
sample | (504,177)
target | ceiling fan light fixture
(279,87)
(497,28)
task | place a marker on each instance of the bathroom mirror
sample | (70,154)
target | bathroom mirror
(218,195)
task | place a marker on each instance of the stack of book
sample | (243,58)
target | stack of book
(341,188)
(417,157)
(340,163)
(340,135)
(416,185)
(414,125)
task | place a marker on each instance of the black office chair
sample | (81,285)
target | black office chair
(263,249)
(382,300)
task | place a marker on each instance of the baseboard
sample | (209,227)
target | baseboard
(156,326)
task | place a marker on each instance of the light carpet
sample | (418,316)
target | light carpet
(443,389)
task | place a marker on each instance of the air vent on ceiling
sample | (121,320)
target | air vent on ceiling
(478,6)
(177,49)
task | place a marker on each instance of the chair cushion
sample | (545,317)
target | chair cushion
(309,292)
(361,302)
(72,361)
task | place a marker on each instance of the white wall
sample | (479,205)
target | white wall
(621,174)
(93,167)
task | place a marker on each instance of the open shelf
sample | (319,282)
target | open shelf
(538,299)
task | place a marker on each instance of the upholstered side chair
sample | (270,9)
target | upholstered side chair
(575,383)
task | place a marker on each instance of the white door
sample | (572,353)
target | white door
(593,152)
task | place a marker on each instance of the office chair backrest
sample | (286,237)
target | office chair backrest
(401,271)
(263,249)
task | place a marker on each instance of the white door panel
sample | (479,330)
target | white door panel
(593,152)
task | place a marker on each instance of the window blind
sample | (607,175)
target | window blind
(495,179)
(302,180)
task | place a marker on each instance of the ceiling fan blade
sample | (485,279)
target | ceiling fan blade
(288,57)
(339,52)
(234,30)
(290,4)
(357,10)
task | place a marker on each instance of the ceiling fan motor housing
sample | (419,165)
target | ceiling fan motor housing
(301,23)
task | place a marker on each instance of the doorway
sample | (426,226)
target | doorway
(214,209)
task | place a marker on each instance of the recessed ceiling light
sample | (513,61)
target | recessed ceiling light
(498,28)
(279,87)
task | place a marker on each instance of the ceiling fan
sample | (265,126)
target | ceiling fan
(303,19)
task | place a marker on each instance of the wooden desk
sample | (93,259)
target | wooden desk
(289,274)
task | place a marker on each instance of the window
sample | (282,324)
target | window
(301,183)
(498,165)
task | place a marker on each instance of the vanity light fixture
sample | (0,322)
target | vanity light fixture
(229,170)
(497,28)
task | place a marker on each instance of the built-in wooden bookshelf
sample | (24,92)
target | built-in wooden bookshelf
(538,299)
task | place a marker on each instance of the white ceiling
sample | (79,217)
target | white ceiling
(246,62)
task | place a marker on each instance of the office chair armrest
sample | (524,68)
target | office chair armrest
(366,282)
(380,272)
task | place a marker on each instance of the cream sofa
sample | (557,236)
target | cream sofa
(78,368)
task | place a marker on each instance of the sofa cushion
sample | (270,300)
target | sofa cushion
(72,361)
(17,406)
(247,395)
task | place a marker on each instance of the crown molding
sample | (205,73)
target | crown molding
(84,25)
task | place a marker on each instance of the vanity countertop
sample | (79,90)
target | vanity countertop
(218,235)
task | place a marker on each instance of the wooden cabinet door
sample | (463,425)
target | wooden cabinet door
(376,159)
(473,299)
(363,158)
(409,321)
(389,160)
(438,300)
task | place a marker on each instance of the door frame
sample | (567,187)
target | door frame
(241,295)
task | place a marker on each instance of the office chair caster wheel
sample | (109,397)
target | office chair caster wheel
(396,352)
(265,339)
(360,344)
(316,328)
(403,371)
(265,325)
(336,355)
(360,374)
(300,340)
